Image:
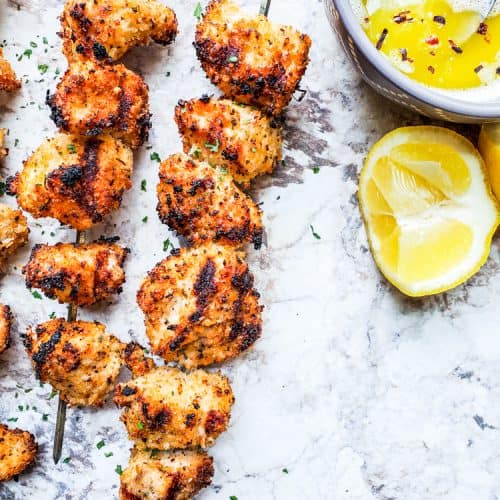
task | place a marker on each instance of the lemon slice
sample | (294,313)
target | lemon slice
(489,145)
(428,209)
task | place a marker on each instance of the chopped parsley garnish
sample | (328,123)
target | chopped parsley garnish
(13,419)
(71,148)
(233,59)
(315,234)
(145,219)
(100,444)
(198,12)
(213,147)
(232,497)
(36,295)
(52,315)
(285,470)
(67,460)
(108,454)
(45,417)
(154,156)
(119,470)
(33,44)
(167,244)
(43,68)
(143,185)
(316,170)
(53,394)
(3,188)
(45,41)
(16,142)
(140,426)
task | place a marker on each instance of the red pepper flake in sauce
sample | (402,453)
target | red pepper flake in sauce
(477,69)
(432,40)
(455,47)
(483,29)
(439,20)
(382,38)
(431,69)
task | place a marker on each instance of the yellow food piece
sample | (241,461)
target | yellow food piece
(436,46)
(489,146)
(428,209)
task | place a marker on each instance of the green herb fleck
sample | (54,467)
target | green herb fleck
(53,394)
(16,142)
(254,150)
(45,417)
(140,426)
(13,419)
(167,244)
(213,147)
(154,156)
(232,497)
(52,315)
(145,219)
(71,148)
(198,12)
(100,444)
(315,234)
(45,41)
(36,294)
(43,68)
(27,53)
(3,188)
(119,470)
(233,59)
(33,44)
(67,460)
(316,170)
(143,185)
(285,470)
(108,454)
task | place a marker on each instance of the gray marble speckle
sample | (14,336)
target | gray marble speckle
(355,390)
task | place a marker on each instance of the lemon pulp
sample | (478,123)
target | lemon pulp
(437,46)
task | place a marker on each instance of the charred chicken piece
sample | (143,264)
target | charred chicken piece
(249,58)
(160,475)
(106,30)
(200,306)
(18,451)
(166,408)
(74,179)
(238,137)
(78,359)
(8,78)
(203,203)
(93,98)
(77,274)
(14,231)
(5,327)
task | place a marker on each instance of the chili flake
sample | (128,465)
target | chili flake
(431,69)
(455,47)
(432,40)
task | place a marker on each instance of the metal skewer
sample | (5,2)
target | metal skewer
(264,7)
(61,408)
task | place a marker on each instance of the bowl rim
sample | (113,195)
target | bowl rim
(482,110)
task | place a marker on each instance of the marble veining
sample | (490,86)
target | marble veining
(354,391)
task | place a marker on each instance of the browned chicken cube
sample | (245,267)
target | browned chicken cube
(167,409)
(251,59)
(14,231)
(77,274)
(202,203)
(235,136)
(160,475)
(106,30)
(5,327)
(93,98)
(18,451)
(8,78)
(200,306)
(76,180)
(80,359)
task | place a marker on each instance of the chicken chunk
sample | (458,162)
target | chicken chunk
(249,58)
(160,475)
(167,408)
(79,359)
(107,30)
(74,179)
(8,78)
(200,306)
(14,231)
(77,274)
(5,327)
(93,98)
(18,451)
(235,136)
(202,204)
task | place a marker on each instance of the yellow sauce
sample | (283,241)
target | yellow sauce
(436,46)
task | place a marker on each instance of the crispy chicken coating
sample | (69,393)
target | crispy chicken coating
(3,150)
(5,327)
(160,475)
(79,359)
(93,98)
(8,78)
(77,274)
(200,306)
(249,58)
(14,231)
(107,30)
(167,408)
(203,203)
(74,179)
(18,451)
(238,137)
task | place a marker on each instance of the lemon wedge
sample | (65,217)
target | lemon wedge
(489,145)
(428,209)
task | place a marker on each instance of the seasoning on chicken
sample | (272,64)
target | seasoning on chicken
(77,274)
(200,306)
(79,359)
(160,475)
(14,231)
(8,78)
(249,58)
(166,408)
(106,30)
(93,98)
(3,150)
(18,451)
(238,137)
(74,179)
(202,204)
(5,326)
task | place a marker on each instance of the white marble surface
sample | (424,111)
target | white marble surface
(356,391)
